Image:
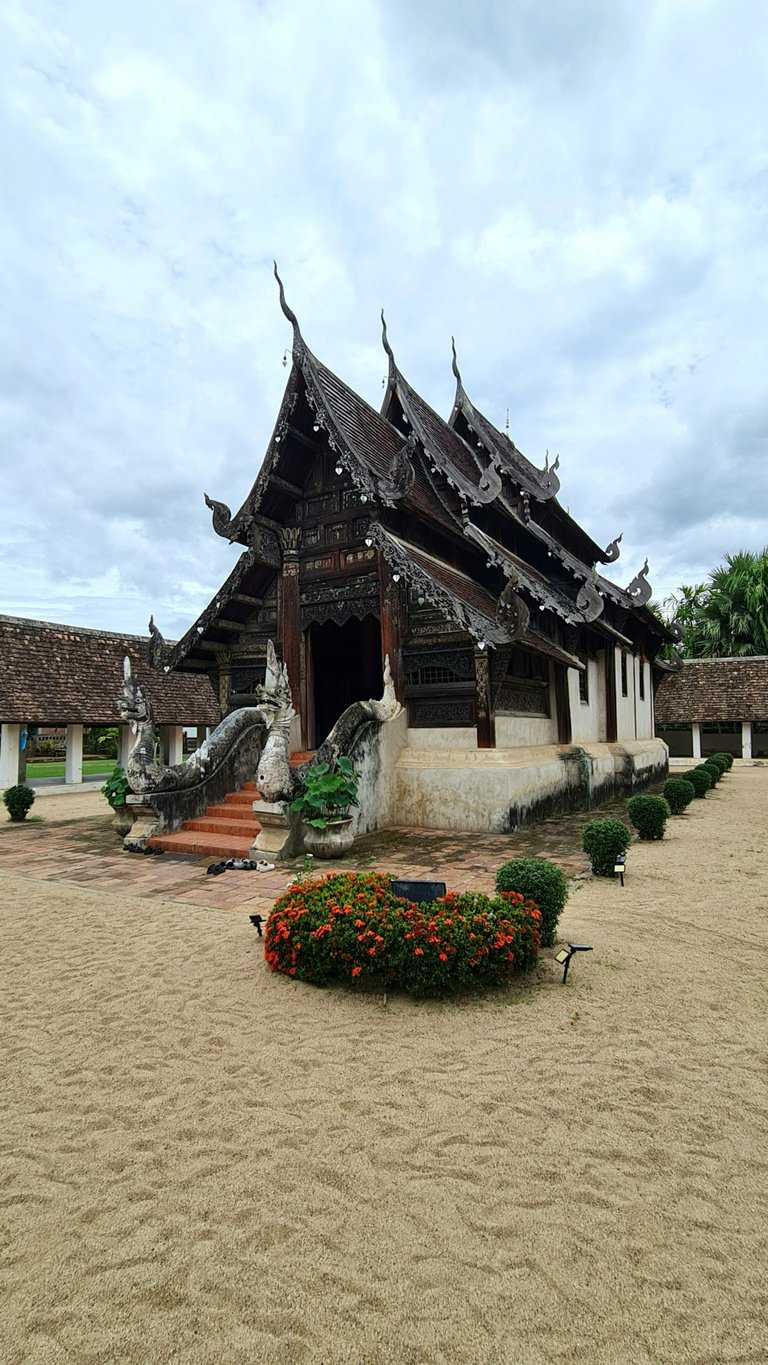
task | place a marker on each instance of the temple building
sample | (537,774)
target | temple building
(525,674)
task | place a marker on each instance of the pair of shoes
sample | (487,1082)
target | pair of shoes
(216,869)
(148,852)
(265,867)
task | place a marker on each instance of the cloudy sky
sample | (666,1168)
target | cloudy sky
(577,189)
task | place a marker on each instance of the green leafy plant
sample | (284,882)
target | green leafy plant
(718,761)
(727,759)
(604,840)
(18,801)
(116,788)
(700,780)
(350,927)
(649,815)
(679,793)
(541,882)
(328,793)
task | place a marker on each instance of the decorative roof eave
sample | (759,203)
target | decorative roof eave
(545,646)
(546,598)
(488,486)
(542,484)
(207,618)
(399,556)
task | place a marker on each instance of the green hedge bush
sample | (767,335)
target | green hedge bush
(718,761)
(541,882)
(679,793)
(18,801)
(350,927)
(649,815)
(728,758)
(604,840)
(714,769)
(700,780)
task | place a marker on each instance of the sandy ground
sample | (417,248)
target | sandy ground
(202,1162)
(54,805)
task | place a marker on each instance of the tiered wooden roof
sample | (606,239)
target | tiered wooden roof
(459,492)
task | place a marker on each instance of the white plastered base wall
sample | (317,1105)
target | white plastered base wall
(495,790)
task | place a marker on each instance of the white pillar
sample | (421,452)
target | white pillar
(73,763)
(125,739)
(9,755)
(175,744)
(696,732)
(746,739)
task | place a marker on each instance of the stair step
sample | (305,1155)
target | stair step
(298,759)
(241,798)
(224,811)
(213,845)
(207,824)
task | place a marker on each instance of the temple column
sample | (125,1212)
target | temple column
(486,737)
(290,617)
(746,739)
(175,745)
(10,736)
(392,622)
(73,762)
(696,738)
(125,739)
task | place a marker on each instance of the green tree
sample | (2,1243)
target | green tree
(728,615)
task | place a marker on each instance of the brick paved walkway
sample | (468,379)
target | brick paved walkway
(88,852)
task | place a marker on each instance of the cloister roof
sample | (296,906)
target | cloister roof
(53,674)
(714,690)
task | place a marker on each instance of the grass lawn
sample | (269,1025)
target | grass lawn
(92,767)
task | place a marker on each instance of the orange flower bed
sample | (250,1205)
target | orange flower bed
(350,927)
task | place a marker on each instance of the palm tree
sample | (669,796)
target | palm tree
(728,616)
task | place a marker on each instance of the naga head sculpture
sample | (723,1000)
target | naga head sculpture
(131,703)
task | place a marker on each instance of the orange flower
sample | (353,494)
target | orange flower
(356,971)
(443,957)
(418,952)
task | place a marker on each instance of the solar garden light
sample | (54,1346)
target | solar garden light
(257,921)
(620,866)
(565,955)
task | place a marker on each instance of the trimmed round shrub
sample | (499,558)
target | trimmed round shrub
(714,768)
(18,801)
(718,761)
(700,780)
(604,840)
(649,815)
(678,793)
(349,927)
(727,758)
(537,880)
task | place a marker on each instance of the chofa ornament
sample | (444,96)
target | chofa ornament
(640,589)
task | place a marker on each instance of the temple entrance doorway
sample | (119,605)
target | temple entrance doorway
(344,666)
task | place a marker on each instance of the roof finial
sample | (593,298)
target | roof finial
(298,342)
(455,364)
(386,345)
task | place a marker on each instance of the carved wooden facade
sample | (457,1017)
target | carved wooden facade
(434,542)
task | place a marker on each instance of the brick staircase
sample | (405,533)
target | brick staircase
(227,830)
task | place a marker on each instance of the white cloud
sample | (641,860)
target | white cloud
(577,191)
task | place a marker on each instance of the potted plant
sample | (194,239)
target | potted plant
(116,790)
(327,796)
